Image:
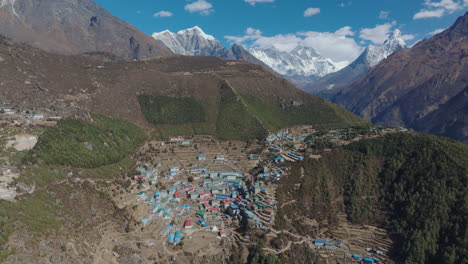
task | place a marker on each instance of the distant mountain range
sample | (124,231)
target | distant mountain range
(302,65)
(333,83)
(75,27)
(425,87)
(195,42)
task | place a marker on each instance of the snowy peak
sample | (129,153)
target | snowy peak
(193,42)
(301,61)
(305,52)
(395,41)
(373,55)
(196,31)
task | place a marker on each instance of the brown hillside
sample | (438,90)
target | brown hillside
(74,85)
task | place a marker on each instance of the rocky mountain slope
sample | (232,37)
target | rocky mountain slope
(301,65)
(75,85)
(425,87)
(75,27)
(333,83)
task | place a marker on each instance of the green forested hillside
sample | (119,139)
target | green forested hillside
(234,116)
(83,144)
(414,185)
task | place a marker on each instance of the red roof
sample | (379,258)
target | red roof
(179,195)
(188,223)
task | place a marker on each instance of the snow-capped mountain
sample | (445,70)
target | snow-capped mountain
(373,55)
(194,42)
(301,62)
(333,83)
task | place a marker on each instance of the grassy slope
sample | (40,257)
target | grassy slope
(419,180)
(235,116)
(322,114)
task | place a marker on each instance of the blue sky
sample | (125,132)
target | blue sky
(338,29)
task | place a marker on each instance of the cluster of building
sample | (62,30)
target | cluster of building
(285,136)
(213,201)
(11,115)
(328,245)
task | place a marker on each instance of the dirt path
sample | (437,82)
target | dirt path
(288,247)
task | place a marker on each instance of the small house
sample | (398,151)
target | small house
(319,243)
(268,212)
(222,233)
(186,142)
(219,157)
(200,214)
(37,116)
(174,171)
(188,223)
(215,203)
(201,157)
(176,139)
(7,110)
(254,157)
(278,160)
(367,260)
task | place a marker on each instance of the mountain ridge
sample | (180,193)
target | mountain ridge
(75,27)
(424,87)
(72,86)
(195,42)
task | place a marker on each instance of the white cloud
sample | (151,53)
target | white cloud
(437,31)
(450,5)
(344,31)
(408,37)
(138,12)
(435,9)
(311,11)
(253,31)
(338,46)
(200,6)
(334,45)
(385,14)
(163,14)
(250,34)
(345,4)
(429,13)
(378,34)
(253,2)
